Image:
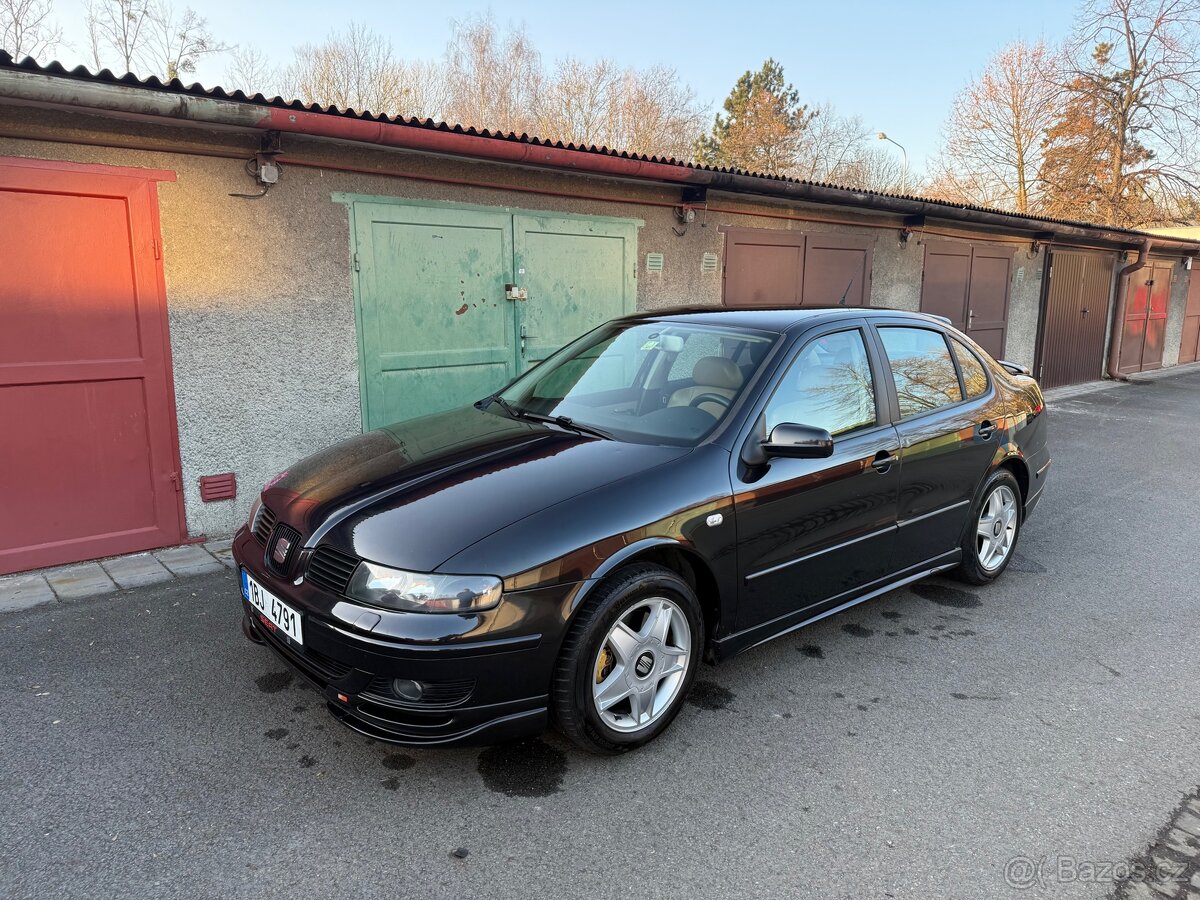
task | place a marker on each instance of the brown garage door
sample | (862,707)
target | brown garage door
(1189,348)
(1076,317)
(89,461)
(771,267)
(969,285)
(1145,319)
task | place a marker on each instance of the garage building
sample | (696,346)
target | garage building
(177,325)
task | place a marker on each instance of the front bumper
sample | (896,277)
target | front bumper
(487,674)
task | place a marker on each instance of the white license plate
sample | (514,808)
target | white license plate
(275,611)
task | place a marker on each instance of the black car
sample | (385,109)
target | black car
(670,487)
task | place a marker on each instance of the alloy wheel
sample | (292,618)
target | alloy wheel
(641,665)
(997,528)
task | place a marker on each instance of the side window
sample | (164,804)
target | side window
(828,385)
(922,369)
(973,373)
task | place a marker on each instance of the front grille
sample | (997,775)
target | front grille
(316,666)
(263,523)
(436,693)
(282,533)
(331,569)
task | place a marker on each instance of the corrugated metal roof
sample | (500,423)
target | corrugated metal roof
(106,76)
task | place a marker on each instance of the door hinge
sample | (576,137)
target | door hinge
(157,245)
(177,481)
(356,267)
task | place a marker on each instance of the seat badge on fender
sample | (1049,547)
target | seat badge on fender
(715,519)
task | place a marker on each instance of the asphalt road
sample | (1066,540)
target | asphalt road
(908,748)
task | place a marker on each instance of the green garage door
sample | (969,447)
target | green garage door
(436,329)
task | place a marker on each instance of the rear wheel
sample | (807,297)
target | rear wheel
(993,529)
(628,660)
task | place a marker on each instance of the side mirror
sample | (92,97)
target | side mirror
(798,442)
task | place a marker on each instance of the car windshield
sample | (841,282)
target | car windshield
(648,382)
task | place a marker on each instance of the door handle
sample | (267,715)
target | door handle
(986,429)
(883,461)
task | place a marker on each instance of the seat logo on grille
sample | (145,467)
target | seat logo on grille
(280,554)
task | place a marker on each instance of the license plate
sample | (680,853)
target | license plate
(273,612)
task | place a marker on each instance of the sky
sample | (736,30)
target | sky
(895,63)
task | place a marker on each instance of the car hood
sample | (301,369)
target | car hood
(414,494)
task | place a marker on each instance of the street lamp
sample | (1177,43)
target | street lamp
(883,137)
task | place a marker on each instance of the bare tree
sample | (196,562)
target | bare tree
(1123,150)
(356,69)
(644,111)
(177,41)
(841,150)
(251,71)
(993,138)
(120,26)
(493,79)
(27,28)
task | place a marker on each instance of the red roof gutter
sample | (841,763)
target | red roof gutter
(142,102)
(430,140)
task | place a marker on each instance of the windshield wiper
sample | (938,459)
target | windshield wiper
(515,412)
(567,422)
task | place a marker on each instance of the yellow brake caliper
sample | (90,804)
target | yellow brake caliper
(604,663)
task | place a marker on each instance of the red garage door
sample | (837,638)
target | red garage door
(774,267)
(1189,347)
(969,285)
(1145,318)
(89,456)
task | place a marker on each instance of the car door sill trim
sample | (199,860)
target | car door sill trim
(923,570)
(930,515)
(821,552)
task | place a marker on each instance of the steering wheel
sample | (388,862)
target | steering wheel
(720,400)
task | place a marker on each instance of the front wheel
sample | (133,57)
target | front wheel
(628,660)
(992,530)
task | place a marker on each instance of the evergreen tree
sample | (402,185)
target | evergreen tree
(763,125)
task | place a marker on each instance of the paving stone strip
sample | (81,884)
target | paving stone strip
(91,579)
(1170,866)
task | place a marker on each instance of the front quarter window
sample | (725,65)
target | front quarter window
(649,382)
(828,385)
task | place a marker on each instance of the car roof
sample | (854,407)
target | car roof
(778,318)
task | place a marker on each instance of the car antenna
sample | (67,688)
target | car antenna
(846,292)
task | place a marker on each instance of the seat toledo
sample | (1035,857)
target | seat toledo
(668,489)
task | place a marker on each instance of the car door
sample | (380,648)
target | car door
(947,433)
(814,530)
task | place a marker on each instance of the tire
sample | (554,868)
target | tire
(982,559)
(581,669)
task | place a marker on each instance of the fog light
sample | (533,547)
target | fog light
(408,690)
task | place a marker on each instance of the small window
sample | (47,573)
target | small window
(973,373)
(828,385)
(922,369)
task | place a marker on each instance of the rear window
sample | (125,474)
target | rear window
(922,369)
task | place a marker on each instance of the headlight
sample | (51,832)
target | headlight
(419,592)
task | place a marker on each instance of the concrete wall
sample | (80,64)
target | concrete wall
(260,297)
(1177,305)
